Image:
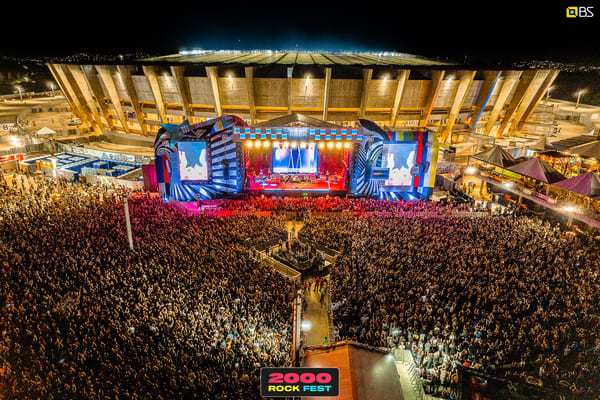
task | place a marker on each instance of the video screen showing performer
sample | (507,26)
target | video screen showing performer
(193,163)
(288,160)
(399,159)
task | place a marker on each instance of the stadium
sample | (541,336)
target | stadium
(321,100)
(394,90)
(285,236)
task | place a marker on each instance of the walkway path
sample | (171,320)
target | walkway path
(315,312)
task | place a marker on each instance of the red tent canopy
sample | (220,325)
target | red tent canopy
(537,169)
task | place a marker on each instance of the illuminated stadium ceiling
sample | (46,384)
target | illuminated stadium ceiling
(288,57)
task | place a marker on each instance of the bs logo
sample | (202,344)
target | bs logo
(580,12)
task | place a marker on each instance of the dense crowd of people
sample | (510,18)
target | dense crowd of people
(336,204)
(190,314)
(510,295)
(187,314)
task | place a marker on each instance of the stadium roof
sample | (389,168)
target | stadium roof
(289,57)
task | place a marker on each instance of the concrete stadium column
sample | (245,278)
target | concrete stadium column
(214,84)
(534,87)
(183,88)
(510,79)
(326,91)
(490,79)
(105,72)
(59,76)
(80,79)
(464,83)
(518,96)
(367,76)
(249,72)
(125,76)
(436,79)
(402,78)
(290,71)
(538,96)
(150,72)
(99,94)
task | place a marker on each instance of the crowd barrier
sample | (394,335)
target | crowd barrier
(270,243)
(379,214)
(183,209)
(329,252)
(405,357)
(279,267)
(471,214)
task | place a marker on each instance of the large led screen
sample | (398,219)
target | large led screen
(287,160)
(400,160)
(193,162)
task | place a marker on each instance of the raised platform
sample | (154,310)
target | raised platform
(365,373)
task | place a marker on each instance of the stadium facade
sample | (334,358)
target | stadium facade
(396,91)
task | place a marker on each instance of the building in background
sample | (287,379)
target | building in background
(394,90)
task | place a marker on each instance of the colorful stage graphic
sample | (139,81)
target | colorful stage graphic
(193,164)
(223,156)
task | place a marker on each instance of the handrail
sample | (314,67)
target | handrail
(406,358)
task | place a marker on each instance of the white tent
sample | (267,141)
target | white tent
(45,131)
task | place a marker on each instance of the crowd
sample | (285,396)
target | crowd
(510,295)
(336,204)
(187,314)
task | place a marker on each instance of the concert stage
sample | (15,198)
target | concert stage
(287,183)
(291,156)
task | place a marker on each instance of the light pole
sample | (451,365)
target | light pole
(128,222)
(548,93)
(56,180)
(578,97)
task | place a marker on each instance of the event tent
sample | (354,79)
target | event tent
(537,169)
(542,145)
(588,150)
(496,156)
(587,184)
(45,131)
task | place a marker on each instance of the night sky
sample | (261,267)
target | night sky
(489,31)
